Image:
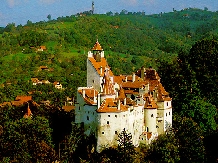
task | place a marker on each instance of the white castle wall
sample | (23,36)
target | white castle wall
(150,120)
(93,78)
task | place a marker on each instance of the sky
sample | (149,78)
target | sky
(20,11)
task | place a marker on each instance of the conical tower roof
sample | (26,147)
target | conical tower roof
(97,46)
(28,114)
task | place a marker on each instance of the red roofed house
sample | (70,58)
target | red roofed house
(137,102)
(42,48)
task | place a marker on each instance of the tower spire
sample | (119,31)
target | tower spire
(28,114)
(93,7)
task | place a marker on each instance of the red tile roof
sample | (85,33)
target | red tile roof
(28,114)
(136,84)
(111,105)
(102,64)
(43,47)
(68,108)
(150,103)
(89,95)
(97,46)
(23,98)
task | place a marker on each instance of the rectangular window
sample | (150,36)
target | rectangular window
(115,132)
(102,133)
(108,115)
(108,122)
(87,117)
(116,116)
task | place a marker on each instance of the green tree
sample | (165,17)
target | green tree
(190,138)
(164,149)
(28,140)
(49,17)
(125,147)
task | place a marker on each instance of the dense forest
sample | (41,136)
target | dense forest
(181,45)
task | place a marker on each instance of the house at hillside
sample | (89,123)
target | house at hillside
(136,102)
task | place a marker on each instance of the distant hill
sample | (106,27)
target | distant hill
(133,38)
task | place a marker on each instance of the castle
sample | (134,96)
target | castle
(109,103)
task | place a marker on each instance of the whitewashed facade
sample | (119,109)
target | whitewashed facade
(109,103)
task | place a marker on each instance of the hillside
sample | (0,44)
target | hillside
(181,45)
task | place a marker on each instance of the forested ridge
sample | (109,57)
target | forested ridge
(181,45)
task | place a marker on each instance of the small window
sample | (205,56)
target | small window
(87,117)
(167,103)
(108,122)
(108,115)
(79,107)
(93,81)
(102,133)
(123,115)
(116,116)
(88,112)
(152,115)
(115,132)
(169,113)
(166,114)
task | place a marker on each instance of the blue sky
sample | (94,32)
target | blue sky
(20,11)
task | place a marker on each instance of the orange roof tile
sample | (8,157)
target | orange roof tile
(97,46)
(5,104)
(131,92)
(43,47)
(150,103)
(136,84)
(111,105)
(35,80)
(89,95)
(43,67)
(119,79)
(28,114)
(151,74)
(68,108)
(122,94)
(108,87)
(23,98)
(17,103)
(102,64)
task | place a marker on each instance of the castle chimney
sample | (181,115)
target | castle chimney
(94,97)
(101,70)
(118,105)
(126,79)
(142,72)
(84,93)
(99,100)
(133,77)
(117,95)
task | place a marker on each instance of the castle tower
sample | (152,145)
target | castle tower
(28,114)
(150,115)
(93,7)
(96,66)
(97,49)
